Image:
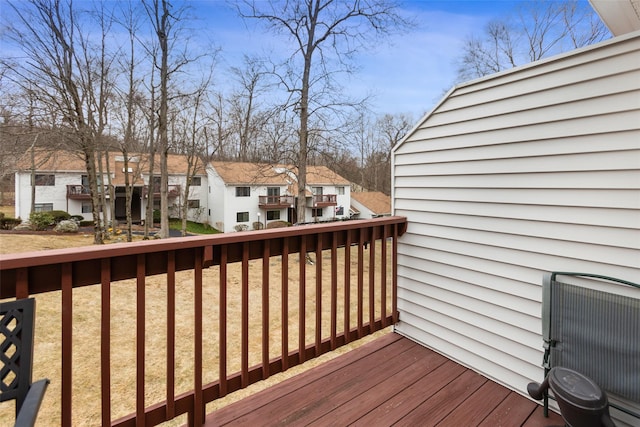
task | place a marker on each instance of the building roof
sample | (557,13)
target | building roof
(236,173)
(621,16)
(72,161)
(377,202)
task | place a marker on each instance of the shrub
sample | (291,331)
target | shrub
(86,223)
(41,220)
(258,225)
(7,223)
(77,218)
(156,215)
(59,216)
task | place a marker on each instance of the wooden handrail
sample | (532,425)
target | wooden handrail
(63,270)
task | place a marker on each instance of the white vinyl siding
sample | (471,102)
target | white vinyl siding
(526,171)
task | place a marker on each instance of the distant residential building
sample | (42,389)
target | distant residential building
(247,194)
(370,204)
(228,195)
(61,183)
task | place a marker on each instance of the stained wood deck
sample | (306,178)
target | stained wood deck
(390,381)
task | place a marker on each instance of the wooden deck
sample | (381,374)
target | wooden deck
(390,381)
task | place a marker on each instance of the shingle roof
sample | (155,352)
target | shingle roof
(377,202)
(230,172)
(262,173)
(69,161)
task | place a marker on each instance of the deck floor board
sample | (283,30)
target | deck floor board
(390,381)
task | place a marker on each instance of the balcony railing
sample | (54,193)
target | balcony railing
(276,202)
(81,192)
(324,200)
(173,191)
(337,283)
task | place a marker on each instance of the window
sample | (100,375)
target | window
(243,192)
(43,207)
(242,216)
(339,210)
(86,207)
(48,180)
(193,204)
(273,191)
(195,181)
(340,191)
(317,191)
(273,215)
(316,212)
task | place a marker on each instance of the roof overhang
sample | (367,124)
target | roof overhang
(620,16)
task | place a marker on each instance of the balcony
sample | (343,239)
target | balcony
(276,202)
(324,200)
(81,192)
(249,310)
(173,191)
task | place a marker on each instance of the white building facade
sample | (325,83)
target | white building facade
(61,183)
(251,196)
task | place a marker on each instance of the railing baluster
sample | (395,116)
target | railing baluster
(198,401)
(318,340)
(245,315)
(67,343)
(334,289)
(22,283)
(285,304)
(222,356)
(105,339)
(140,338)
(394,274)
(347,288)
(302,299)
(372,280)
(265,309)
(171,332)
(360,282)
(383,277)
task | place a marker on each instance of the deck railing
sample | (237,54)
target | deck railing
(324,200)
(279,202)
(337,283)
(82,191)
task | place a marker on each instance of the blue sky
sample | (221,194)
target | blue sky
(409,74)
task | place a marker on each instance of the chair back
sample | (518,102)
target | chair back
(17,319)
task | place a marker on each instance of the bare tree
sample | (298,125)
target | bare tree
(535,30)
(190,136)
(245,104)
(130,21)
(325,35)
(69,73)
(374,139)
(170,58)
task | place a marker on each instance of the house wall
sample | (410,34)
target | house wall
(56,194)
(217,198)
(195,193)
(532,170)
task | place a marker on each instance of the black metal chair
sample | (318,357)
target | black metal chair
(17,320)
(592,348)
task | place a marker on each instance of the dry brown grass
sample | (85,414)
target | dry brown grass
(86,319)
(8,210)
